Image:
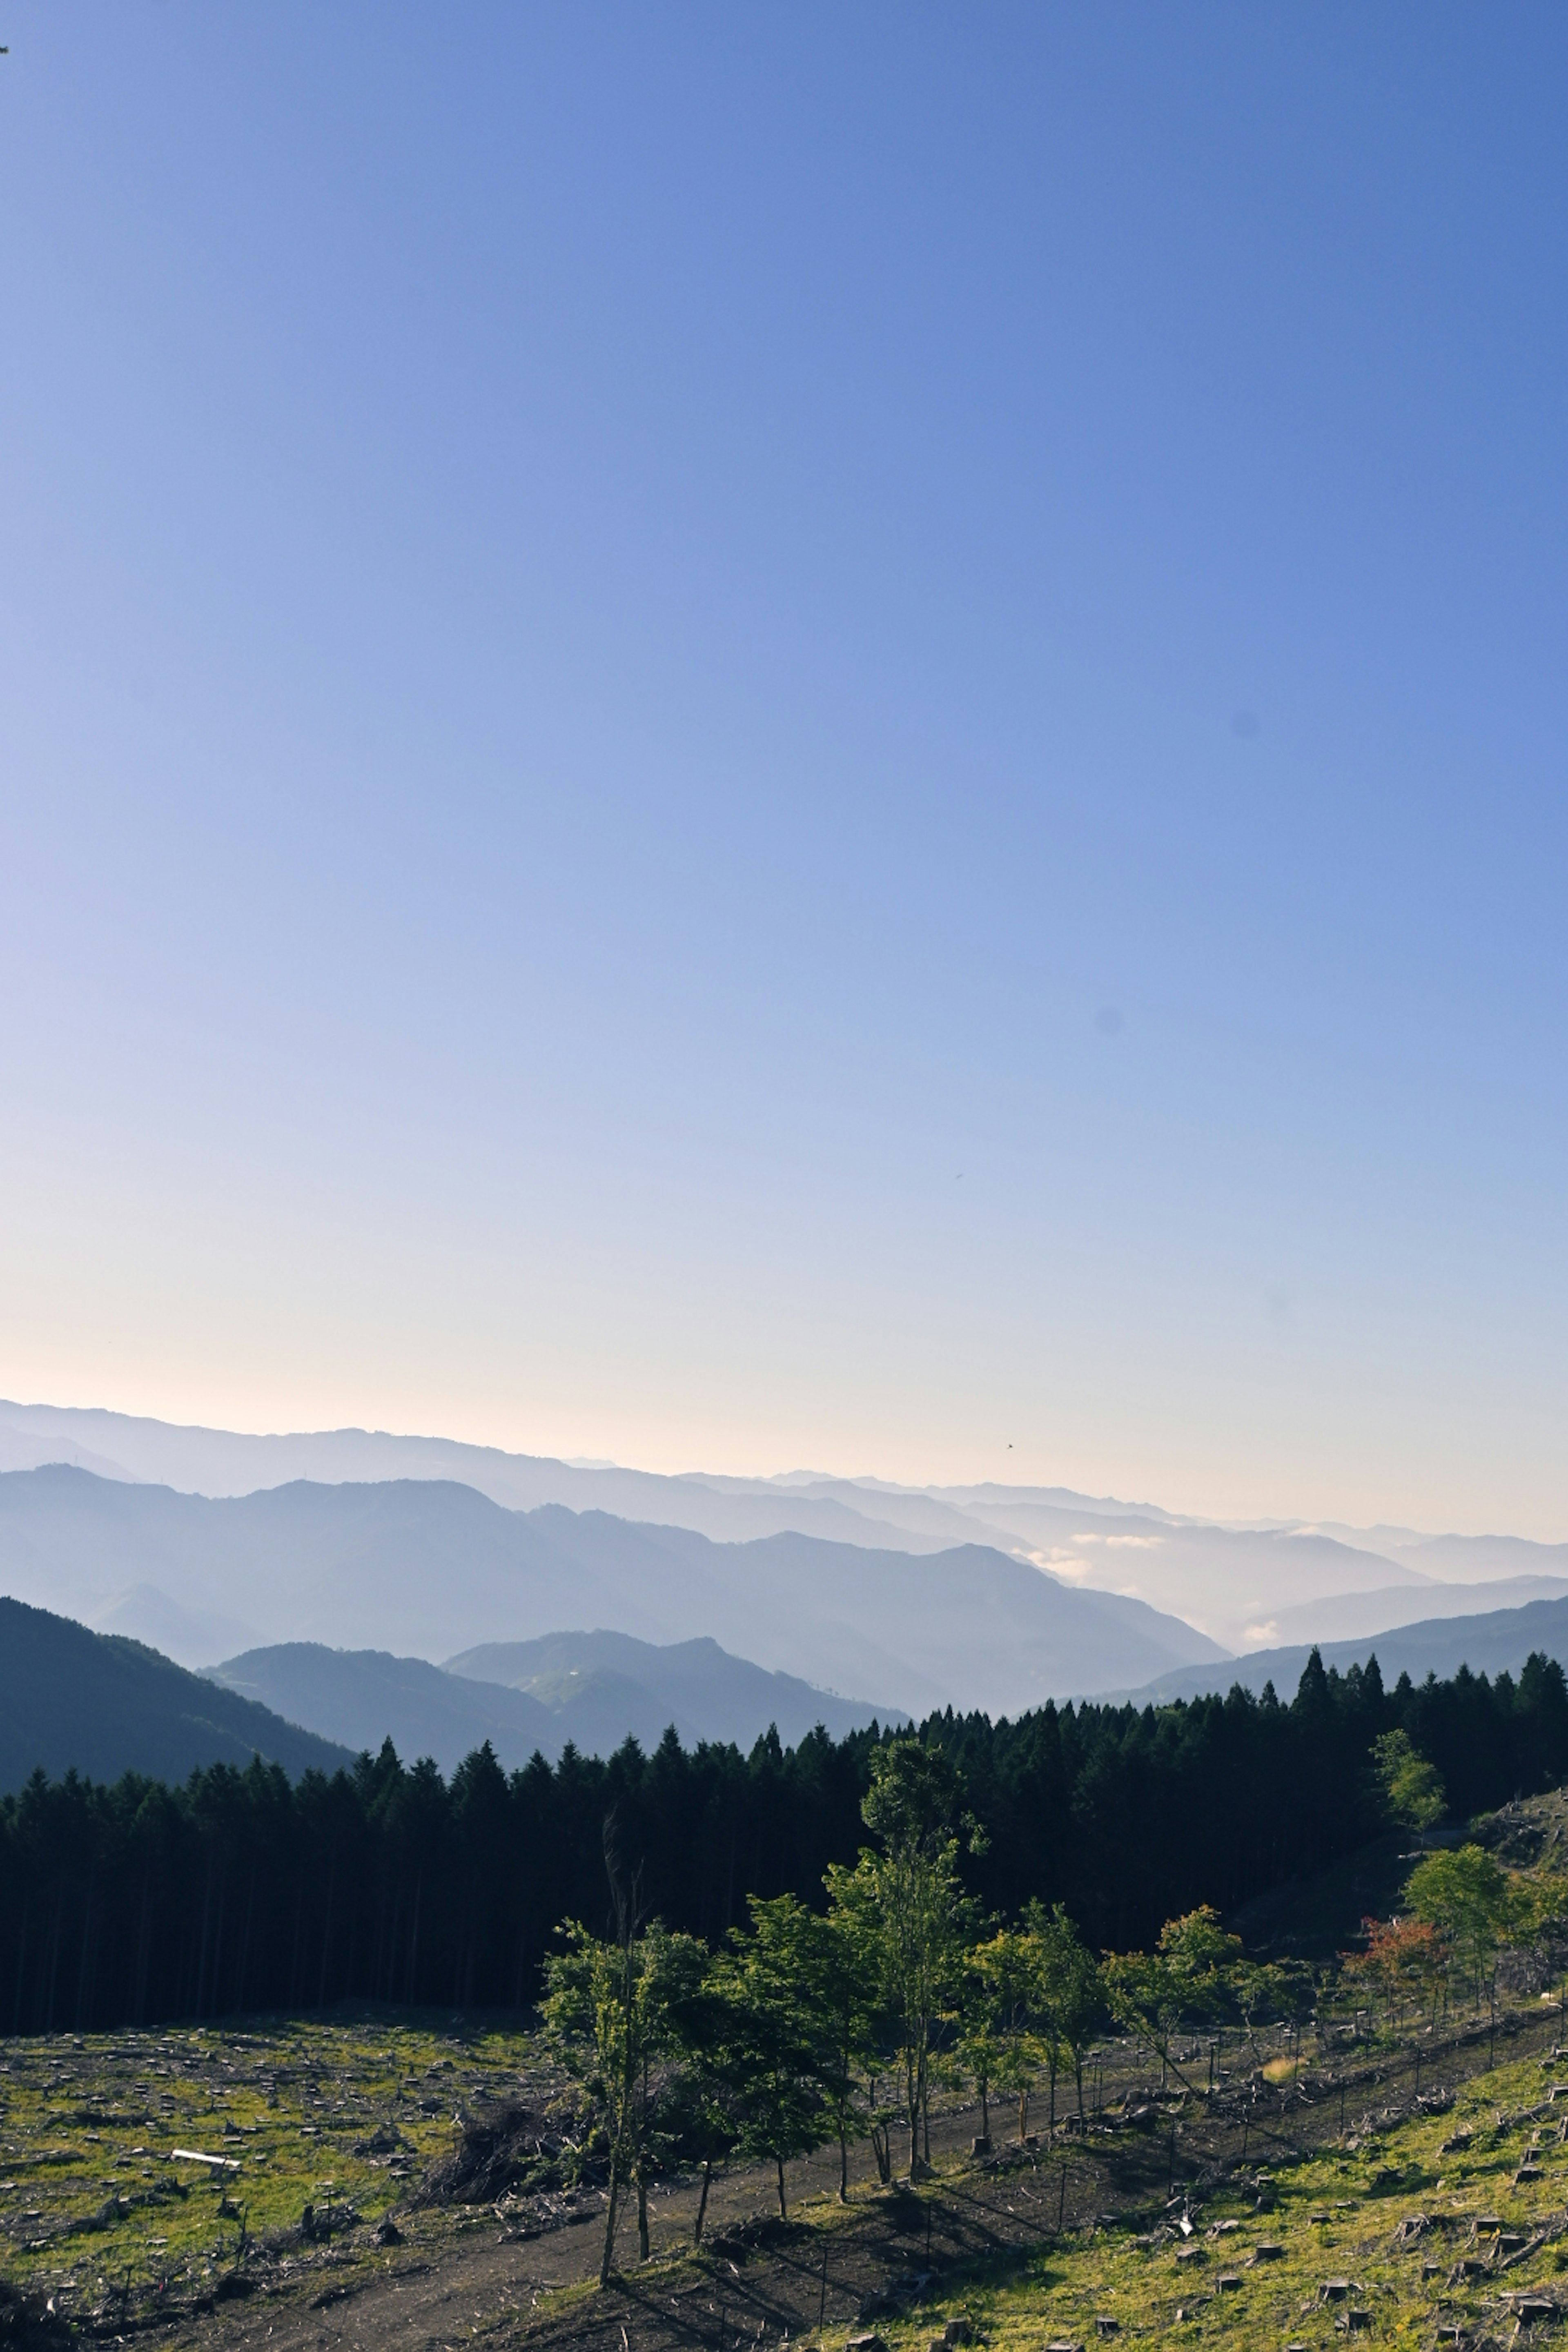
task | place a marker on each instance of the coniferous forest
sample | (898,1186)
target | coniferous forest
(242,1891)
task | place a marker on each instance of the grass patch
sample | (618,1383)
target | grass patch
(1388,2234)
(322,2128)
(1284,2070)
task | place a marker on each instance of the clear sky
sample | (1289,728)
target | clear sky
(743,737)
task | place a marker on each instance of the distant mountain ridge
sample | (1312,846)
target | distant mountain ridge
(1347,1616)
(72,1700)
(358,1698)
(430,1569)
(593,1690)
(1491,1643)
(696,1685)
(1230,1582)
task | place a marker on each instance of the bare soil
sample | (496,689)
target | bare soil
(478,2276)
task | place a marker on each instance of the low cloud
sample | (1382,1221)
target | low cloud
(1123,1543)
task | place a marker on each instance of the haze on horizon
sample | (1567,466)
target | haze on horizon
(740,740)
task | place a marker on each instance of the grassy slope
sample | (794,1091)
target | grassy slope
(90,2189)
(1337,2216)
(93,2200)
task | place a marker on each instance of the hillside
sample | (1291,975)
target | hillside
(428,1569)
(1429,2220)
(589,1680)
(101,1706)
(360,1697)
(1348,1616)
(1489,1643)
(593,1690)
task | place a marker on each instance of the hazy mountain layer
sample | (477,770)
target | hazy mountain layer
(1456,1558)
(1490,1643)
(1349,1615)
(72,1699)
(360,1697)
(192,1637)
(593,1689)
(219,1463)
(428,1567)
(707,1693)
(1231,1583)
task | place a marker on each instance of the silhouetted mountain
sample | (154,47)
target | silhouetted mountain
(360,1697)
(99,1704)
(427,1568)
(594,1682)
(1499,1640)
(593,1689)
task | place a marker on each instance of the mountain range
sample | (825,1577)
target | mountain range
(101,1705)
(1491,1643)
(593,1690)
(1244,1588)
(427,1568)
(335,1570)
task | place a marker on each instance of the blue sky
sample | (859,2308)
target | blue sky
(794,735)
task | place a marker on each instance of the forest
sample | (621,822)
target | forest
(243,1891)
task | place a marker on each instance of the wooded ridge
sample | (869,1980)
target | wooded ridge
(242,1891)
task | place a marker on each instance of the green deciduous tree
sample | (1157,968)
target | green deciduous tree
(1000,2043)
(1070,1990)
(614,2012)
(1473,1901)
(1412,1787)
(845,2011)
(907,1906)
(1193,1974)
(772,2036)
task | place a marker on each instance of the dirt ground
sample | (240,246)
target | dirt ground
(757,2280)
(465,2278)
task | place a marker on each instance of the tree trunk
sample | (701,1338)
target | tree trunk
(1023,2115)
(642,2219)
(783,2209)
(843,2163)
(607,2259)
(984,2109)
(702,2200)
(22,1965)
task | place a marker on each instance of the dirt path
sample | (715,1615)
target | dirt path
(463,2281)
(463,2278)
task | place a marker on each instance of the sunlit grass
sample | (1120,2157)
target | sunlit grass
(1284,2070)
(1348,2213)
(94,2198)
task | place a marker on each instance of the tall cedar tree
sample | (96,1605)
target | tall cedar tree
(126,1904)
